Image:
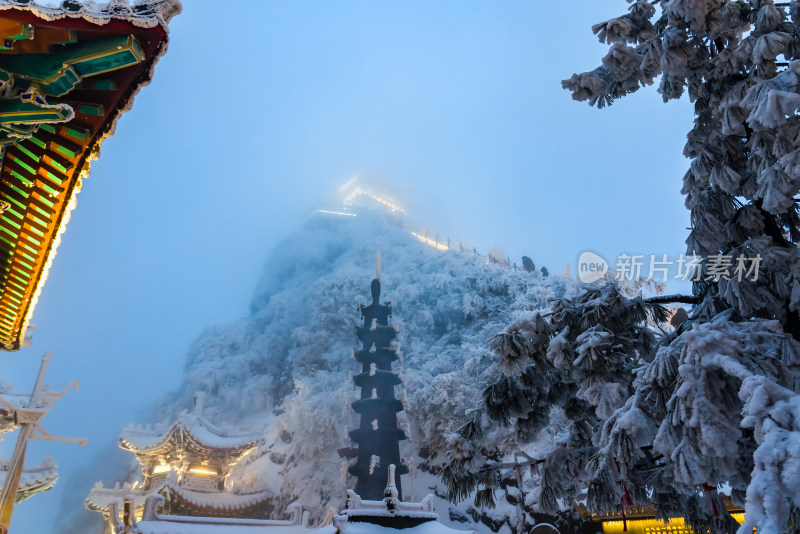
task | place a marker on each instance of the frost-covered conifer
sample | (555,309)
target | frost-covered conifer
(645,416)
(670,418)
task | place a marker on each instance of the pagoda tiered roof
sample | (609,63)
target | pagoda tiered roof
(34,479)
(377,436)
(67,73)
(364,380)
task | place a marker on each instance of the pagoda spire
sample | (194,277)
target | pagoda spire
(377,436)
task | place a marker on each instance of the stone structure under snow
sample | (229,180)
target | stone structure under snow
(377,436)
(390,514)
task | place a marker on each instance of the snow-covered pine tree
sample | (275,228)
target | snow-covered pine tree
(714,403)
(646,416)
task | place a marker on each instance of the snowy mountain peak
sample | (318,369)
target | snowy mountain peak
(285,369)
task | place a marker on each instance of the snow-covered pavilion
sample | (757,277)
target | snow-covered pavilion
(187,463)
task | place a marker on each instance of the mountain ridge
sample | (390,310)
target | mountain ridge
(285,368)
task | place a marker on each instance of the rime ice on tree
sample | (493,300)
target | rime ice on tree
(378,437)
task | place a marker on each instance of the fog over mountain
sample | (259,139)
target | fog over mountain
(285,370)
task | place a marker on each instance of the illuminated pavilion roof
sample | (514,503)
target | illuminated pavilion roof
(190,430)
(188,462)
(67,73)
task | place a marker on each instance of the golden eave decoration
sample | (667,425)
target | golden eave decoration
(67,73)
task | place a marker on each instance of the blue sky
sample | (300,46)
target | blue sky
(261,110)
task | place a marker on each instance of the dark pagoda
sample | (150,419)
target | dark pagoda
(378,437)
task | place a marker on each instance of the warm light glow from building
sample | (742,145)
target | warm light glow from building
(337,213)
(163,468)
(202,471)
(429,241)
(389,203)
(348,183)
(676,525)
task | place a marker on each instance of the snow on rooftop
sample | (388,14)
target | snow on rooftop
(100,498)
(34,479)
(223,500)
(196,426)
(142,13)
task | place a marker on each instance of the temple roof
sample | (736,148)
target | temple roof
(67,73)
(224,500)
(154,523)
(144,14)
(100,498)
(189,427)
(34,479)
